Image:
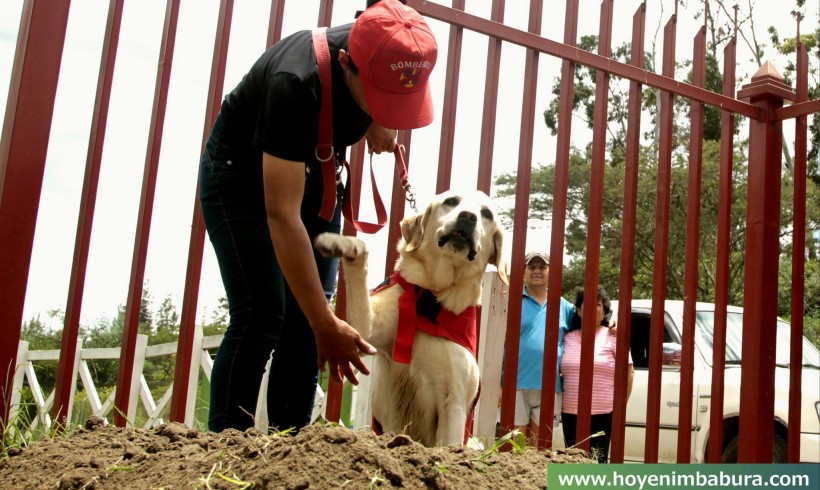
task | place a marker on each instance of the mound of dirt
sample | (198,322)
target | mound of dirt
(174,456)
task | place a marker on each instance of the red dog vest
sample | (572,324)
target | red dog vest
(418,309)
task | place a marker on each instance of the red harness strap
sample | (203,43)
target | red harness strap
(416,313)
(325,152)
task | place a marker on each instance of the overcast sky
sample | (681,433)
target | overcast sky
(132,98)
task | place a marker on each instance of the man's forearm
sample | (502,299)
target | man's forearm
(294,254)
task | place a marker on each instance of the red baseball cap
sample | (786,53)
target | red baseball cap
(395,51)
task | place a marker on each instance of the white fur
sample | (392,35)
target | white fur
(430,398)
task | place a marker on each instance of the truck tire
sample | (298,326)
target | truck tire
(779,450)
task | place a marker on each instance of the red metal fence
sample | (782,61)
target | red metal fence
(25,140)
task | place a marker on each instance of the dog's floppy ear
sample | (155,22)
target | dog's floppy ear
(412,230)
(497,258)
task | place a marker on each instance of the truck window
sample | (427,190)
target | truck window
(639,338)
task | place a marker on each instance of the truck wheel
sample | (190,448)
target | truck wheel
(779,450)
(730,453)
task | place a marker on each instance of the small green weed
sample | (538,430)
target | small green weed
(517,441)
(233,480)
(597,434)
(376,480)
(20,430)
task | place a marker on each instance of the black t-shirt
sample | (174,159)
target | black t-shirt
(275,108)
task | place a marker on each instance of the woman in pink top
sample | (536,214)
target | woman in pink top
(603,378)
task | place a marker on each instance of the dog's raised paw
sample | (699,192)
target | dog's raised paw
(334,245)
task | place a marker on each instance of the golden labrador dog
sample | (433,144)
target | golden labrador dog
(423,319)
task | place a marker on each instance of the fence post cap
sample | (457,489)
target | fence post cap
(766,83)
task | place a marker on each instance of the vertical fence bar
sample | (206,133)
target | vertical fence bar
(122,399)
(397,207)
(23,147)
(448,115)
(187,330)
(277,13)
(756,438)
(633,150)
(798,256)
(724,215)
(325,13)
(487,138)
(65,381)
(595,217)
(334,400)
(335,389)
(522,197)
(556,265)
(690,278)
(656,328)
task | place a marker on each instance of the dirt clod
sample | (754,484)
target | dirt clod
(173,456)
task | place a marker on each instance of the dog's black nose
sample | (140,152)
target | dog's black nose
(468,217)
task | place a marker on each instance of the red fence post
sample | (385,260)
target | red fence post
(798,255)
(766,91)
(595,218)
(125,376)
(559,215)
(727,125)
(65,381)
(335,389)
(522,187)
(23,145)
(487,141)
(690,278)
(448,113)
(398,205)
(184,393)
(616,452)
(656,329)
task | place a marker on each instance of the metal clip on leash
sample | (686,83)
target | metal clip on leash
(409,195)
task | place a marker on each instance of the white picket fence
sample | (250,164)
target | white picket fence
(491,345)
(155,409)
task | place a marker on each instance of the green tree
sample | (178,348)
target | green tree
(219,319)
(159,371)
(721,25)
(40,337)
(146,318)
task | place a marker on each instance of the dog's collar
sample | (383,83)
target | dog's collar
(418,309)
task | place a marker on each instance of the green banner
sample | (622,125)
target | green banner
(683,476)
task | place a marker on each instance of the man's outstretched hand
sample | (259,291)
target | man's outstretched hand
(339,346)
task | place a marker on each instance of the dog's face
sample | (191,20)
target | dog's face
(460,226)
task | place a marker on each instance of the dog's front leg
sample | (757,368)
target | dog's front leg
(451,425)
(353,254)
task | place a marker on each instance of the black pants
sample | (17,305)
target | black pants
(264,315)
(598,446)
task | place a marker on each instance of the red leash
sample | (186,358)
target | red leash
(325,147)
(381,214)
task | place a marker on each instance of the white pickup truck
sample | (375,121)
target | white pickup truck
(701,403)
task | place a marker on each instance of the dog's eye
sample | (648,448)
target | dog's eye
(452,201)
(487,214)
